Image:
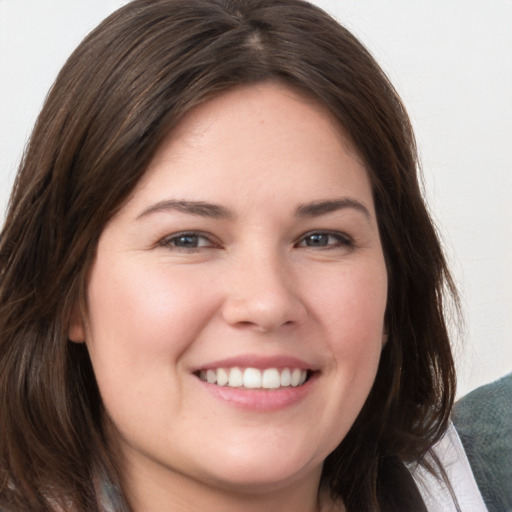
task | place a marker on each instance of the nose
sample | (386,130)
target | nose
(262,294)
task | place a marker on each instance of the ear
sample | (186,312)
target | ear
(76,328)
(384,338)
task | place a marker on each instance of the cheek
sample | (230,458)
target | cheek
(350,308)
(351,304)
(142,316)
(142,319)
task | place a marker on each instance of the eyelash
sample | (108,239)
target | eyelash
(170,241)
(340,240)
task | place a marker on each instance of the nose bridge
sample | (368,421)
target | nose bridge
(262,291)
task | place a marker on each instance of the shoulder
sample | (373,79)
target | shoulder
(464,495)
(486,410)
(483,419)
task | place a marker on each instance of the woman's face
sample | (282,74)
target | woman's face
(248,255)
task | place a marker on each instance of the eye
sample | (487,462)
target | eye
(187,241)
(324,240)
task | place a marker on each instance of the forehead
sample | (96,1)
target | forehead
(253,135)
(249,107)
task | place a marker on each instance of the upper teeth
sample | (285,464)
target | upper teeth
(253,378)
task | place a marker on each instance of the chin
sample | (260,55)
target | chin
(250,474)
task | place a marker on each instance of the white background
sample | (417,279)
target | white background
(451,61)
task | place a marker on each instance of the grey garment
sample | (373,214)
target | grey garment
(483,419)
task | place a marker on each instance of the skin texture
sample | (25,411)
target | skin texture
(252,286)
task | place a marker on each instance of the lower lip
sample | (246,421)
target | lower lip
(260,399)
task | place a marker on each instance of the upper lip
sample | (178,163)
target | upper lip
(259,362)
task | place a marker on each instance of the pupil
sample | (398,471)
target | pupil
(187,241)
(319,239)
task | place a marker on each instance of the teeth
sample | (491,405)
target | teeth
(286,377)
(295,379)
(222,377)
(236,378)
(253,378)
(271,379)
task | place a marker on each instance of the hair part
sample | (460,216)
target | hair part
(117,97)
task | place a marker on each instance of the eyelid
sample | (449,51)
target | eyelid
(343,239)
(168,239)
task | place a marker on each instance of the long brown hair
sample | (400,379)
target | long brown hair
(127,84)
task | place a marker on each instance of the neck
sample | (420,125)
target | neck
(152,492)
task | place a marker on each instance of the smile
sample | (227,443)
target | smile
(254,378)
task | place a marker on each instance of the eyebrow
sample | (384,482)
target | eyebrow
(199,208)
(317,208)
(215,211)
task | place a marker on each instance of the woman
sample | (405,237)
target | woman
(220,287)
